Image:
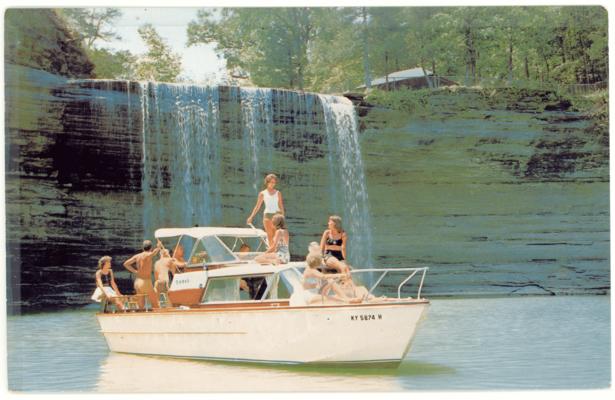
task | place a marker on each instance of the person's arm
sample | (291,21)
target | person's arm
(281,203)
(317,274)
(132,260)
(344,240)
(113,285)
(323,241)
(176,266)
(179,264)
(259,203)
(159,247)
(276,239)
(99,281)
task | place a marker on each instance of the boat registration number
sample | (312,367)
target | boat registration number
(365,317)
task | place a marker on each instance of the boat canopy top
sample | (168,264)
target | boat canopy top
(201,232)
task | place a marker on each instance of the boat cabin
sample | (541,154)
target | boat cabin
(221,269)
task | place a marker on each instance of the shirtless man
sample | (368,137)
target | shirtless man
(143,282)
(162,268)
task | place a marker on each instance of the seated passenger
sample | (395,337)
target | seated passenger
(333,245)
(105,284)
(317,285)
(278,253)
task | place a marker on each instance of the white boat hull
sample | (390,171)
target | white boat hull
(327,334)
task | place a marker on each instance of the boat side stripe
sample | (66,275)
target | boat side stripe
(222,309)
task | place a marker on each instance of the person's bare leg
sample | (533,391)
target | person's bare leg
(118,303)
(270,229)
(340,295)
(153,298)
(139,291)
(336,264)
(267,258)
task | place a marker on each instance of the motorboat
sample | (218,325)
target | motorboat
(225,306)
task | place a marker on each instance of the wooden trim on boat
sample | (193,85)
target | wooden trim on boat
(259,306)
(187,297)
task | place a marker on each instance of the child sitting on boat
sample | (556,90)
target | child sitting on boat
(278,253)
(318,286)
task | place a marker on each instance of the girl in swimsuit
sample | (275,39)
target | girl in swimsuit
(278,253)
(105,283)
(273,205)
(317,285)
(333,245)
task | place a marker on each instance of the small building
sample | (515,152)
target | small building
(415,78)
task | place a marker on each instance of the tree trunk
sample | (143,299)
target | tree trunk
(527,68)
(470,55)
(547,67)
(386,69)
(368,79)
(510,59)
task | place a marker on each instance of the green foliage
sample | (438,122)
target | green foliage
(271,44)
(113,64)
(91,24)
(325,49)
(411,101)
(160,63)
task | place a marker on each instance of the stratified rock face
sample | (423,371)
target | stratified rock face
(37,38)
(93,167)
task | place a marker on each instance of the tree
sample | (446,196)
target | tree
(113,64)
(160,63)
(91,24)
(270,44)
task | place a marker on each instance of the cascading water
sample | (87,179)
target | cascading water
(257,117)
(349,190)
(181,156)
(182,163)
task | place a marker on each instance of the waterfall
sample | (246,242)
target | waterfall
(349,190)
(266,131)
(181,156)
(257,117)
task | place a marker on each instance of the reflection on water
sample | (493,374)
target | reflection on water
(129,373)
(498,343)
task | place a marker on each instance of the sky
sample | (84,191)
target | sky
(199,63)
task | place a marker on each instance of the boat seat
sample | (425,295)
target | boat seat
(130,303)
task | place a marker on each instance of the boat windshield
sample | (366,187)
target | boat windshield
(210,250)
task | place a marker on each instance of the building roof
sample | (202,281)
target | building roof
(400,76)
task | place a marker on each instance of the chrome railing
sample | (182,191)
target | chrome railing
(384,271)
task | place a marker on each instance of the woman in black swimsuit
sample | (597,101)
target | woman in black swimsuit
(105,283)
(333,245)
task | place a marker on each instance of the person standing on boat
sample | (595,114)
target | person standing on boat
(162,267)
(143,281)
(273,205)
(333,245)
(278,253)
(105,283)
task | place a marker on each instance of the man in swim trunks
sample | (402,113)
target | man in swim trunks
(143,281)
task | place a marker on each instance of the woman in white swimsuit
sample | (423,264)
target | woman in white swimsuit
(273,205)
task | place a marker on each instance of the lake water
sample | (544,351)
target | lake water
(537,342)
